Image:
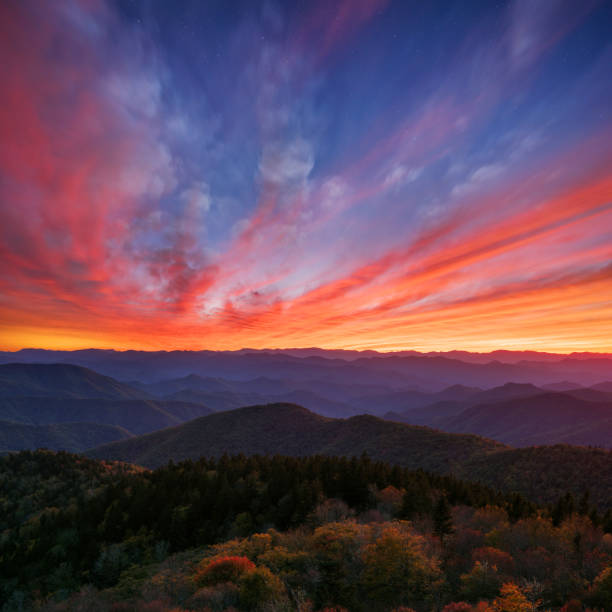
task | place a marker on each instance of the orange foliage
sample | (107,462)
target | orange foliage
(511,599)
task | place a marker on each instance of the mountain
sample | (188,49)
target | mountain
(73,437)
(292,430)
(395,371)
(548,418)
(412,399)
(61,380)
(221,394)
(220,401)
(429,412)
(606,387)
(217,402)
(134,416)
(563,385)
(287,429)
(449,402)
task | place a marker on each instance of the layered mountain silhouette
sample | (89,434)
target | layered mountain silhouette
(522,415)
(42,394)
(540,419)
(135,416)
(398,371)
(63,406)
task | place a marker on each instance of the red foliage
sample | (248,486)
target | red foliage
(224,569)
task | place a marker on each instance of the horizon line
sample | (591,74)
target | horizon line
(309,348)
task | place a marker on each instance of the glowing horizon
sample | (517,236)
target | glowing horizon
(349,175)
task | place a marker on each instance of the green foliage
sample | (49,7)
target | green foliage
(443,521)
(483,582)
(601,592)
(398,569)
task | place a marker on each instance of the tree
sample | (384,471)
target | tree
(443,521)
(258,587)
(397,571)
(482,582)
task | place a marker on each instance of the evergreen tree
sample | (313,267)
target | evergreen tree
(443,521)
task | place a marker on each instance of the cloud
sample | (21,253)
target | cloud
(196,198)
(479,178)
(401,175)
(287,163)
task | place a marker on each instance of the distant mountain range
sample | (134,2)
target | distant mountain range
(543,473)
(397,371)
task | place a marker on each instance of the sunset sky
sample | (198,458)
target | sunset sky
(343,174)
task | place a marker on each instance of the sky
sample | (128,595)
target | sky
(361,174)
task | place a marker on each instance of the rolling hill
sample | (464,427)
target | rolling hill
(522,415)
(548,418)
(73,437)
(291,430)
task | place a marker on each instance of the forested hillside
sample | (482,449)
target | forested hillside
(541,472)
(85,535)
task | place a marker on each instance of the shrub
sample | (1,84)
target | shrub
(220,597)
(258,587)
(482,582)
(223,569)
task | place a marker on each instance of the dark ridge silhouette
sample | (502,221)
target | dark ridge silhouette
(293,430)
(548,418)
(541,472)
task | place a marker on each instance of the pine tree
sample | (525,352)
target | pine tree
(443,521)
